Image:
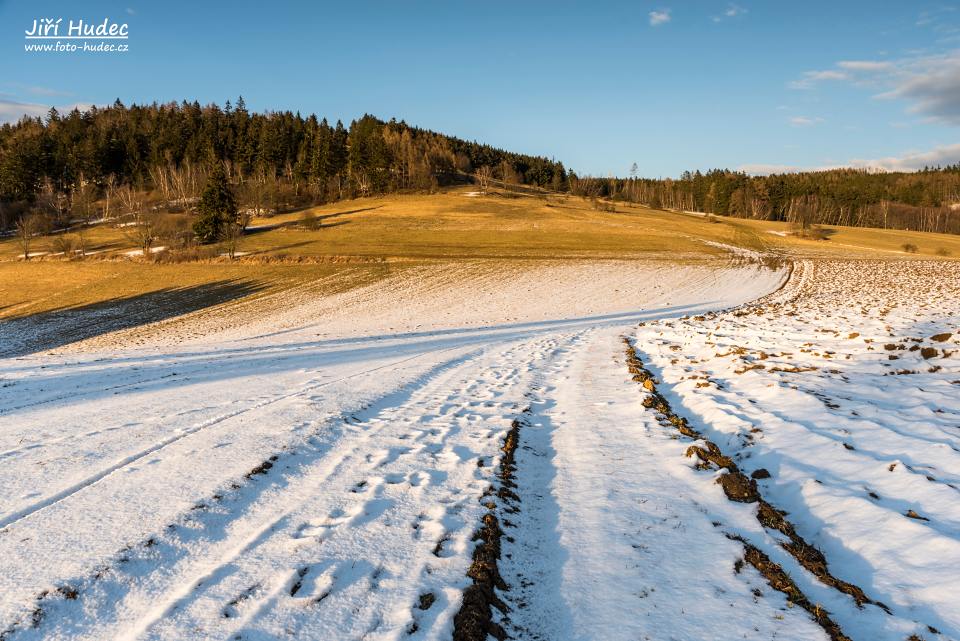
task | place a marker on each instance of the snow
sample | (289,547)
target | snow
(315,468)
(853,440)
(139,252)
(622,524)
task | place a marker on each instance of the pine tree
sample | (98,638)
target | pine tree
(218,207)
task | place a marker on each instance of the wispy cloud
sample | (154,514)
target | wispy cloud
(811,78)
(13,110)
(915,160)
(804,121)
(907,162)
(660,17)
(732,11)
(37,90)
(865,65)
(930,84)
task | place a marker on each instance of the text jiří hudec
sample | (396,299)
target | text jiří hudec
(48,27)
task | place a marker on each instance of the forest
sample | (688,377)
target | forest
(927,200)
(75,167)
(68,169)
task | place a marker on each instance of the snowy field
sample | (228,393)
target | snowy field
(321,472)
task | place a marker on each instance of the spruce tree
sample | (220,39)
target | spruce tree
(218,207)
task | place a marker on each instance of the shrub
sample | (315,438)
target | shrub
(63,244)
(910,248)
(943,251)
(309,221)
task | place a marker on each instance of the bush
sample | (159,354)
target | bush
(815,232)
(63,244)
(309,221)
(943,251)
(602,205)
(910,248)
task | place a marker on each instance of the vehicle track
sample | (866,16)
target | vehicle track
(396,485)
(14,517)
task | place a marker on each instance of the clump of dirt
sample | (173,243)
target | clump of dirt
(778,579)
(928,352)
(263,468)
(474,621)
(739,488)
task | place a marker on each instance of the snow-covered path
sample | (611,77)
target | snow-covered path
(238,485)
(618,538)
(320,483)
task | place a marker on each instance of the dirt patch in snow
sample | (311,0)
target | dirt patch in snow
(474,621)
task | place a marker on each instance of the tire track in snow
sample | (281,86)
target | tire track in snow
(372,407)
(610,540)
(267,536)
(366,433)
(13,517)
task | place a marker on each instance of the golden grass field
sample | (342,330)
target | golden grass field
(376,235)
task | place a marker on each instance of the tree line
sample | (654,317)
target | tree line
(123,159)
(927,200)
(71,169)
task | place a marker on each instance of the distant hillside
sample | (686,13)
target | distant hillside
(62,165)
(918,201)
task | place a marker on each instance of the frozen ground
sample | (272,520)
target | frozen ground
(320,472)
(841,395)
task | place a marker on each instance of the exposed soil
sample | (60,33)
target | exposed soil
(474,621)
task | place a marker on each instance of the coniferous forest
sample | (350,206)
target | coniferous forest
(64,167)
(75,166)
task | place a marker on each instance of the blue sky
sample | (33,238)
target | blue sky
(598,85)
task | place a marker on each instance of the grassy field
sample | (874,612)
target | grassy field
(452,225)
(61,285)
(366,238)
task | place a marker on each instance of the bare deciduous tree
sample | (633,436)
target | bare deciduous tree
(483,176)
(83,206)
(28,226)
(144,231)
(232,234)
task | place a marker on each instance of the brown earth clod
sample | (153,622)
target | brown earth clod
(474,621)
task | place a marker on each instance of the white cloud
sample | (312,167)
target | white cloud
(660,17)
(930,84)
(732,11)
(810,78)
(915,160)
(865,65)
(907,162)
(762,169)
(14,110)
(804,121)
